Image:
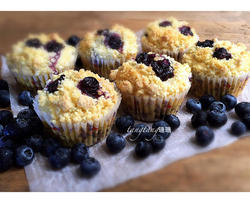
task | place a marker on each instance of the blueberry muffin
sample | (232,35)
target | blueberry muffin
(35,59)
(152,85)
(169,36)
(218,67)
(79,107)
(107,49)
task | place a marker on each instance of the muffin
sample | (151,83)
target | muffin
(34,60)
(170,37)
(218,67)
(152,85)
(79,107)
(104,50)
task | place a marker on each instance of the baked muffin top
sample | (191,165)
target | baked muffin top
(217,58)
(78,96)
(116,42)
(41,54)
(169,35)
(152,75)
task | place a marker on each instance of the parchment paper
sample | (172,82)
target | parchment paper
(118,168)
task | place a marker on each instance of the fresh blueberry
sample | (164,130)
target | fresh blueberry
(6,159)
(143,149)
(242,109)
(4,85)
(36,125)
(217,105)
(246,120)
(53,46)
(115,142)
(4,98)
(238,128)
(206,101)
(173,121)
(222,53)
(5,117)
(49,146)
(1,130)
(229,100)
(90,167)
(123,123)
(24,156)
(89,86)
(140,132)
(25,98)
(8,143)
(204,135)
(24,125)
(216,118)
(12,131)
(199,118)
(193,105)
(79,152)
(73,40)
(158,142)
(162,128)
(27,114)
(33,43)
(60,158)
(35,142)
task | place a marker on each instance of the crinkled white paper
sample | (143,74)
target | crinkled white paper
(119,168)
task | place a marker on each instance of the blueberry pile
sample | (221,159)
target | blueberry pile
(209,112)
(147,140)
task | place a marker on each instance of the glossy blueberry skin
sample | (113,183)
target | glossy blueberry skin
(206,101)
(173,121)
(79,152)
(199,119)
(5,117)
(60,158)
(242,109)
(25,98)
(238,128)
(246,120)
(35,142)
(143,149)
(27,114)
(229,100)
(141,132)
(24,156)
(12,131)
(49,146)
(73,40)
(193,105)
(158,143)
(4,98)
(161,125)
(6,159)
(204,135)
(217,105)
(4,85)
(216,118)
(124,122)
(115,142)
(24,125)
(89,167)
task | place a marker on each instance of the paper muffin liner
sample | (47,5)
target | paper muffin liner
(218,86)
(146,108)
(70,133)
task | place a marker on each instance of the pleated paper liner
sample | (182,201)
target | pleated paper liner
(71,133)
(218,86)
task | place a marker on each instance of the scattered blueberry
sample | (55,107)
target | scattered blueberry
(36,125)
(24,156)
(24,125)
(185,30)
(73,40)
(49,146)
(79,152)
(143,149)
(1,130)
(59,158)
(4,98)
(25,98)
(238,128)
(246,120)
(216,118)
(5,117)
(158,142)
(242,109)
(89,86)
(165,23)
(123,123)
(141,132)
(217,105)
(12,131)
(90,167)
(35,142)
(206,43)
(162,128)
(199,118)
(27,114)
(4,85)
(193,105)
(173,121)
(113,40)
(204,135)
(221,53)
(53,46)
(206,101)
(33,43)
(115,142)
(53,85)
(7,143)
(6,159)
(229,100)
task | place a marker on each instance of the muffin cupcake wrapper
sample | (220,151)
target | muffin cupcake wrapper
(148,109)
(218,86)
(71,133)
